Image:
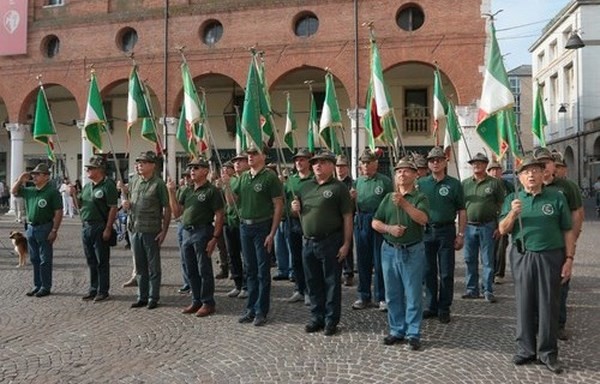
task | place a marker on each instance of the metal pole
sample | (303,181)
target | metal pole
(166,88)
(354,152)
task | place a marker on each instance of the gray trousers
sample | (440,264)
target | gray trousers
(537,295)
(146,253)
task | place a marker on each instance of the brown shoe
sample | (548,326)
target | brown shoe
(130,283)
(193,308)
(205,310)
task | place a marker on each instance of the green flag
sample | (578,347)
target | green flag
(241,142)
(539,121)
(137,103)
(452,127)
(506,121)
(440,104)
(95,118)
(149,130)
(313,125)
(251,118)
(184,136)
(290,126)
(264,102)
(43,126)
(202,133)
(330,117)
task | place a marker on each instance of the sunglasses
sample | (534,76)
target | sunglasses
(194,167)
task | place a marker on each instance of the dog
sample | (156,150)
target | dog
(20,243)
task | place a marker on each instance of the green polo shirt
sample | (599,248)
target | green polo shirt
(256,193)
(445,195)
(97,199)
(483,199)
(148,198)
(292,186)
(391,214)
(231,215)
(200,204)
(41,204)
(323,206)
(544,216)
(508,187)
(569,189)
(371,190)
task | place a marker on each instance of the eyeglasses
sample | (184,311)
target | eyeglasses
(194,167)
(436,160)
(531,171)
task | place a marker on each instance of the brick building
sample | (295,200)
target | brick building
(299,40)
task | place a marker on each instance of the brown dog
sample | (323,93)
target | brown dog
(20,243)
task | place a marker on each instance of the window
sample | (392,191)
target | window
(515,85)
(306,25)
(127,38)
(212,32)
(55,2)
(410,17)
(540,60)
(416,112)
(50,46)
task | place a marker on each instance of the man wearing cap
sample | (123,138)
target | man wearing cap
(325,208)
(259,197)
(98,210)
(292,187)
(342,171)
(44,214)
(369,190)
(184,182)
(494,169)
(422,166)
(447,201)
(541,257)
(199,205)
(148,223)
(484,196)
(572,194)
(560,167)
(400,218)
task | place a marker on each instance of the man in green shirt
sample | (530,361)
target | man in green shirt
(400,218)
(259,198)
(483,198)
(199,205)
(325,208)
(541,258)
(148,223)
(368,192)
(98,210)
(43,205)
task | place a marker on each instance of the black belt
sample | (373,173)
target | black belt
(402,246)
(320,237)
(440,225)
(478,223)
(39,224)
(255,221)
(195,227)
(92,222)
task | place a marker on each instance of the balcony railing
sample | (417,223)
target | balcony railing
(416,121)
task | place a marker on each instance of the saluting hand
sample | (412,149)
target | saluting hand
(171,186)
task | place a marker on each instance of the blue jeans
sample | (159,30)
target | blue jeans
(403,275)
(479,238)
(440,261)
(198,264)
(146,253)
(368,258)
(184,273)
(323,278)
(97,254)
(40,254)
(282,252)
(295,245)
(232,241)
(257,263)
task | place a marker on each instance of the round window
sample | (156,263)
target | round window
(410,17)
(212,32)
(127,38)
(306,25)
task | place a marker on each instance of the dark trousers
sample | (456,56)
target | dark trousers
(295,245)
(348,264)
(368,258)
(323,278)
(40,254)
(97,255)
(257,264)
(439,268)
(184,273)
(234,248)
(199,264)
(500,246)
(537,296)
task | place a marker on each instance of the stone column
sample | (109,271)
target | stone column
(86,152)
(471,143)
(171,129)
(17,160)
(358,137)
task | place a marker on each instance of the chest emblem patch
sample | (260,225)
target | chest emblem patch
(378,190)
(42,203)
(327,194)
(201,197)
(444,191)
(99,194)
(258,187)
(488,190)
(547,209)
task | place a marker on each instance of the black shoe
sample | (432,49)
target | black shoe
(292,279)
(152,304)
(101,297)
(562,334)
(391,340)
(470,295)
(42,293)
(183,290)
(280,277)
(313,327)
(444,318)
(521,360)
(139,304)
(414,344)
(246,318)
(553,366)
(330,330)
(89,296)
(260,320)
(427,314)
(33,292)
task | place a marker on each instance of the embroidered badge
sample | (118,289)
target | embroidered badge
(378,190)
(99,194)
(201,197)
(547,209)
(488,190)
(42,203)
(258,187)
(444,191)
(327,194)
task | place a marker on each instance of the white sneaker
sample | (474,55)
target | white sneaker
(306,300)
(243,294)
(234,293)
(383,306)
(297,296)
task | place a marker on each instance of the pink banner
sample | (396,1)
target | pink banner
(13,31)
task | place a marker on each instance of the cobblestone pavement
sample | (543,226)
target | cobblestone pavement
(61,339)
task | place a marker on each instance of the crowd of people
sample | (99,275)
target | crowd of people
(405,231)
